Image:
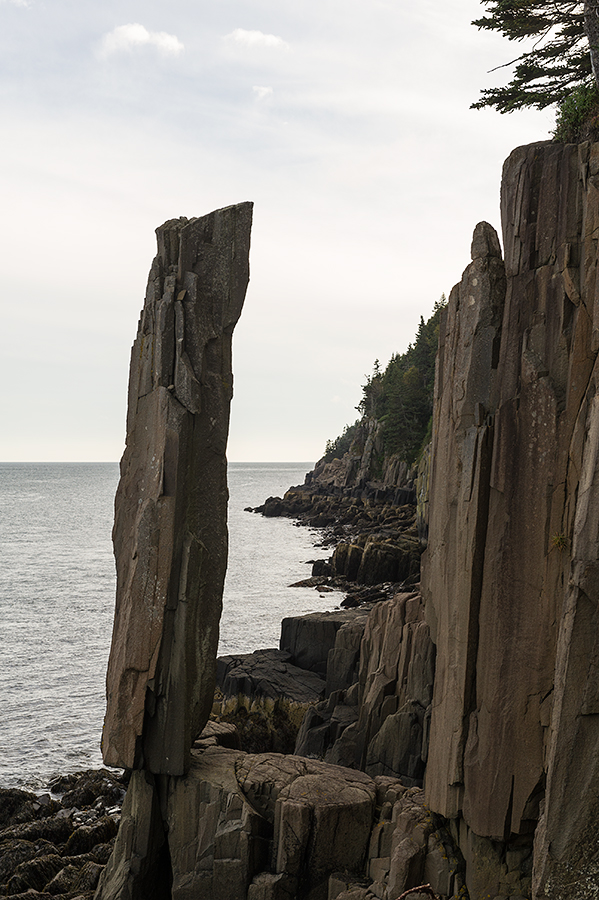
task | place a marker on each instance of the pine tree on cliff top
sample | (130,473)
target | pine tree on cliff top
(564,56)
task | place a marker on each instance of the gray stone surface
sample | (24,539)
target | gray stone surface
(465,394)
(344,659)
(565,842)
(170,534)
(310,638)
(397,668)
(217,841)
(391,702)
(322,815)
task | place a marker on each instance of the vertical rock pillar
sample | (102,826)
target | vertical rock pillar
(465,400)
(170,531)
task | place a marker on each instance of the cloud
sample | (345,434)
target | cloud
(16,2)
(262,92)
(125,38)
(256,39)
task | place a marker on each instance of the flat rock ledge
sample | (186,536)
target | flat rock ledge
(268,826)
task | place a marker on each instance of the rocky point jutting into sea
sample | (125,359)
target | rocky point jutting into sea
(446,730)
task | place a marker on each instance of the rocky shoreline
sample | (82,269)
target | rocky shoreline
(375,541)
(57,842)
(269,694)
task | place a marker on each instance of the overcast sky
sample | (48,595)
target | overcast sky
(347,122)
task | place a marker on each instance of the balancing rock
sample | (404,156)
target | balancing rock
(170,531)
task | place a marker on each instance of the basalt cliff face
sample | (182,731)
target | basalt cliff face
(509,577)
(170,531)
(484,687)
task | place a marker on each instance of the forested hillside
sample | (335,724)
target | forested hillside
(400,398)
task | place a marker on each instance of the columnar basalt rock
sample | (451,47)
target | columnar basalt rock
(379,687)
(465,398)
(509,572)
(170,533)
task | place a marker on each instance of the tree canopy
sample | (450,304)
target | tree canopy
(564,55)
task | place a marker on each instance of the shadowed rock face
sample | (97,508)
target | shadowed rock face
(170,534)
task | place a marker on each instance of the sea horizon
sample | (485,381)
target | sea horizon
(57,596)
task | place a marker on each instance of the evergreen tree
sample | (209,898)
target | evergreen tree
(400,397)
(564,55)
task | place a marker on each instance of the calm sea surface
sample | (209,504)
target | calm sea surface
(57,586)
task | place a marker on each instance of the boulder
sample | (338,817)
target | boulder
(34,874)
(18,806)
(82,789)
(170,535)
(13,852)
(218,734)
(240,825)
(321,815)
(393,560)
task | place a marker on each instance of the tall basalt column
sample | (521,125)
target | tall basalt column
(170,531)
(465,399)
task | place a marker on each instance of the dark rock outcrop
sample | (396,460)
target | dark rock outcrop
(507,504)
(379,689)
(309,639)
(267,674)
(366,471)
(374,531)
(170,534)
(58,843)
(484,687)
(266,697)
(465,395)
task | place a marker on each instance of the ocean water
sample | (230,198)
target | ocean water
(57,587)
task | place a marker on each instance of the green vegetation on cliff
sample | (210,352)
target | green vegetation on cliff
(400,397)
(565,52)
(578,116)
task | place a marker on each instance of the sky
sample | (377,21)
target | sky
(346,122)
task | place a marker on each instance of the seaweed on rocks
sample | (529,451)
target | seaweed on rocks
(58,842)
